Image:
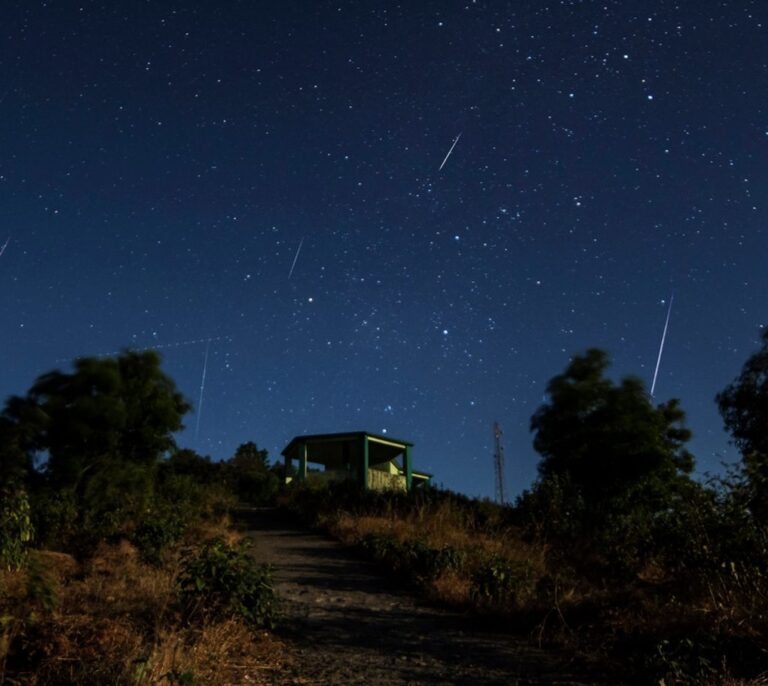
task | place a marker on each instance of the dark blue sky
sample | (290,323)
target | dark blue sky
(161,163)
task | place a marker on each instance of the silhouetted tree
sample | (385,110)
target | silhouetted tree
(251,476)
(87,444)
(186,462)
(612,463)
(108,409)
(606,438)
(744,408)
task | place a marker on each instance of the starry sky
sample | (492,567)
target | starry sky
(260,190)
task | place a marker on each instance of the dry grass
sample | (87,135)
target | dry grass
(439,532)
(452,587)
(116,622)
(557,605)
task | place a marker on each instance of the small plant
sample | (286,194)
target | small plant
(415,559)
(501,583)
(424,562)
(224,581)
(15,529)
(156,534)
(685,661)
(181,678)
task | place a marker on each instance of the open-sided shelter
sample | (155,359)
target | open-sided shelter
(373,461)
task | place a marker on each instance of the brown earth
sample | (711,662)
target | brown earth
(345,622)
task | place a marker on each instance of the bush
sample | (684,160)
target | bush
(502,584)
(224,581)
(415,560)
(54,515)
(15,529)
(156,534)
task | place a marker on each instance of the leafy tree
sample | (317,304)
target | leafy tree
(744,408)
(122,408)
(253,480)
(186,462)
(17,442)
(607,441)
(99,433)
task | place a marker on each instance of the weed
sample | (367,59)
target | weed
(503,583)
(224,581)
(186,678)
(156,534)
(15,529)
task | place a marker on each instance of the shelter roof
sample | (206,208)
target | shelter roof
(325,446)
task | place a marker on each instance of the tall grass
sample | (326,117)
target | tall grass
(691,611)
(116,619)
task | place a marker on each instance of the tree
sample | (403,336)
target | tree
(606,440)
(744,407)
(613,465)
(252,479)
(107,410)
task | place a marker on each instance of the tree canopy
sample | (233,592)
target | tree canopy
(743,405)
(108,409)
(605,438)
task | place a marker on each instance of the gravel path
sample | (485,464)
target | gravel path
(345,623)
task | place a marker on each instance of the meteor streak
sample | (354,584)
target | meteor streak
(449,152)
(4,246)
(296,257)
(661,346)
(202,388)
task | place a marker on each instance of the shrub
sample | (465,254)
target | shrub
(153,536)
(54,515)
(502,583)
(15,529)
(224,581)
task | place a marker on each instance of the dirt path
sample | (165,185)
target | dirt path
(347,624)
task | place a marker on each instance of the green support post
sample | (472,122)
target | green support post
(364,465)
(302,462)
(408,468)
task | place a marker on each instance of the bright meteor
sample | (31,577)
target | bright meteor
(449,152)
(296,257)
(661,347)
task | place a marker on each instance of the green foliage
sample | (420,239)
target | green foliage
(122,408)
(606,438)
(20,611)
(744,408)
(157,533)
(413,560)
(102,431)
(40,586)
(250,476)
(15,448)
(686,661)
(186,678)
(55,517)
(16,528)
(551,508)
(612,464)
(198,468)
(225,581)
(308,501)
(114,497)
(189,488)
(503,584)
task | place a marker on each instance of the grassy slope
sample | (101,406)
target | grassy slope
(462,553)
(115,620)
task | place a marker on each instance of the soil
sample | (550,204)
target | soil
(345,622)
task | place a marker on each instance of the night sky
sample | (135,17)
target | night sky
(162,164)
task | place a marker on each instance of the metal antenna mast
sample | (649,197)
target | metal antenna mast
(498,464)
